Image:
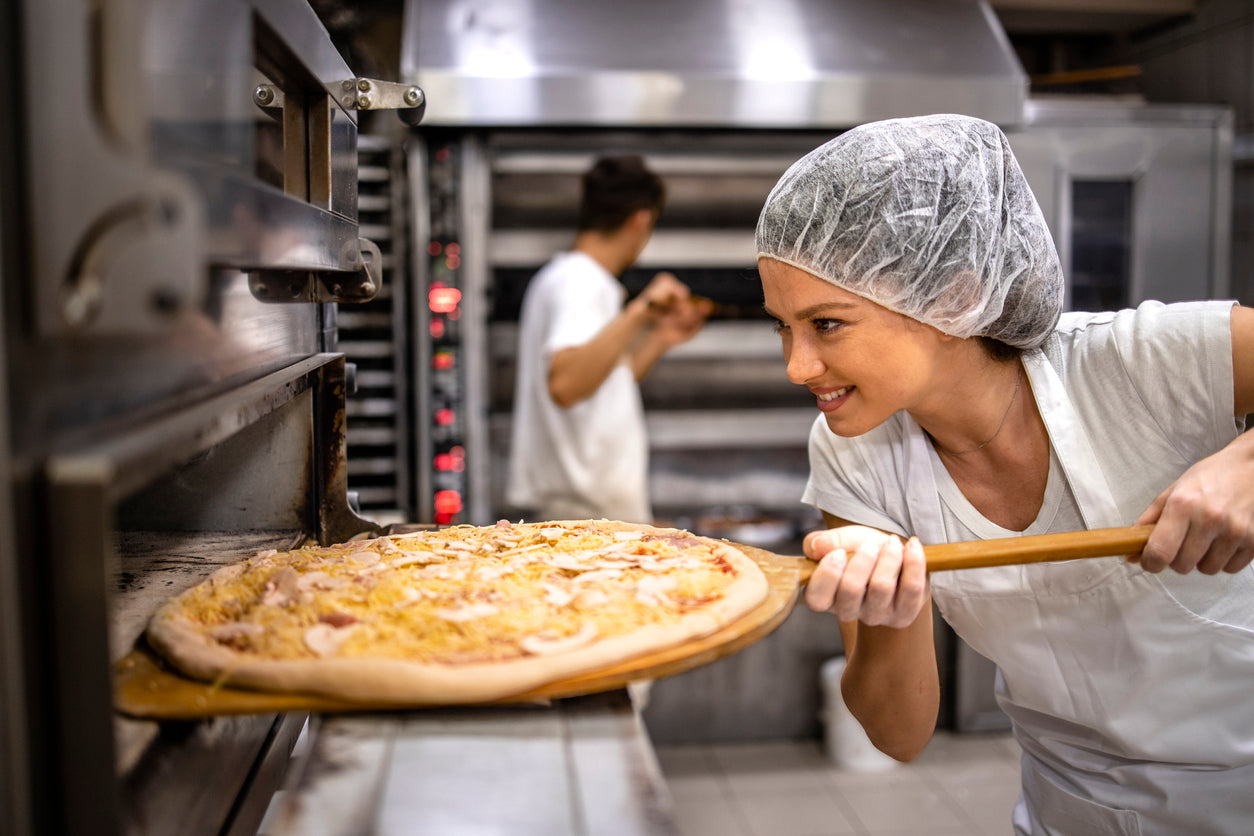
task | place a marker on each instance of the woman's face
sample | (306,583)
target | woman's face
(862,361)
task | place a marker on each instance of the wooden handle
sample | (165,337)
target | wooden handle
(1037,548)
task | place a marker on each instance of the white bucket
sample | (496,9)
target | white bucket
(848,747)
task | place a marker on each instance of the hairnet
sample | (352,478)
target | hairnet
(930,217)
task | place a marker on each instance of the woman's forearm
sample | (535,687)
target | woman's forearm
(891,684)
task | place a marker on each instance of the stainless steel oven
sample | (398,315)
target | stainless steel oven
(179,221)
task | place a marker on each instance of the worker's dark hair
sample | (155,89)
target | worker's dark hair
(616,187)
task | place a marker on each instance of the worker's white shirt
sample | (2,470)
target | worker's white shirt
(591,460)
(1129,692)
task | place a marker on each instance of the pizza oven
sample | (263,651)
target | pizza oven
(180,224)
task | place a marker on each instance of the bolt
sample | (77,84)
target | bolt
(367,289)
(363,85)
(263,95)
(348,84)
(363,102)
(337,290)
(349,102)
(412,96)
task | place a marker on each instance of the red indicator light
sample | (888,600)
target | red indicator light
(453,261)
(443,360)
(445,417)
(433,249)
(442,155)
(453,248)
(445,461)
(448,503)
(437,329)
(444,299)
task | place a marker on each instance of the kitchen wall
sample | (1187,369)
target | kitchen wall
(1209,58)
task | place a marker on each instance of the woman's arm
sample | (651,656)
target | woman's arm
(1205,519)
(1243,360)
(878,590)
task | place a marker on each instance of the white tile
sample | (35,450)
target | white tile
(793,814)
(949,749)
(696,787)
(783,766)
(921,810)
(987,807)
(771,753)
(901,777)
(704,818)
(683,758)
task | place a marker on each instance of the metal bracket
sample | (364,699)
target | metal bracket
(372,94)
(359,282)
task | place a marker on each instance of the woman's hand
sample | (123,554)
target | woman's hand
(1205,519)
(866,575)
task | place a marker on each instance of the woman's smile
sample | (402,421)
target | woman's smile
(830,400)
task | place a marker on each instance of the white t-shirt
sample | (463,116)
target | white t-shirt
(1124,687)
(590,460)
(1152,387)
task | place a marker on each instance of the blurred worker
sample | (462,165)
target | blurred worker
(579,447)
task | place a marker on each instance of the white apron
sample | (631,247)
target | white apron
(1135,715)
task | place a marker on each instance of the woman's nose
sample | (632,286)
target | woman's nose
(802,361)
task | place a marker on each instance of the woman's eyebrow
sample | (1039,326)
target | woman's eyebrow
(816,310)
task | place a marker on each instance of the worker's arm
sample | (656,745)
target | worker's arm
(678,323)
(575,373)
(877,588)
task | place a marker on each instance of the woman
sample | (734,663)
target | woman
(918,295)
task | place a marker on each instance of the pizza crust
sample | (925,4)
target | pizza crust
(401,682)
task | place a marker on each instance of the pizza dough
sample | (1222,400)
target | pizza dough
(458,615)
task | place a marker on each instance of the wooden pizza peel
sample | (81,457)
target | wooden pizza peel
(145,687)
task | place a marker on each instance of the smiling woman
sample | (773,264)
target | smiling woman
(918,297)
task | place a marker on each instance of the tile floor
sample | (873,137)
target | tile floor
(961,785)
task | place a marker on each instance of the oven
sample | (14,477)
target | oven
(180,224)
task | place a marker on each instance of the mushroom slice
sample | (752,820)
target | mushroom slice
(545,644)
(326,639)
(592,597)
(364,557)
(598,575)
(281,588)
(556,595)
(467,612)
(320,580)
(651,590)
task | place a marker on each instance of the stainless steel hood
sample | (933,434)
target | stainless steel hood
(708,63)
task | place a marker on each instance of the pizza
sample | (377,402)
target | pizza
(455,615)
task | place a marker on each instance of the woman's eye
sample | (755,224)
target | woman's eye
(826,326)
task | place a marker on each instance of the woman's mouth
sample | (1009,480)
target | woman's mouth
(831,401)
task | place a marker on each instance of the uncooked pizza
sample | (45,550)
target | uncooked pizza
(455,615)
